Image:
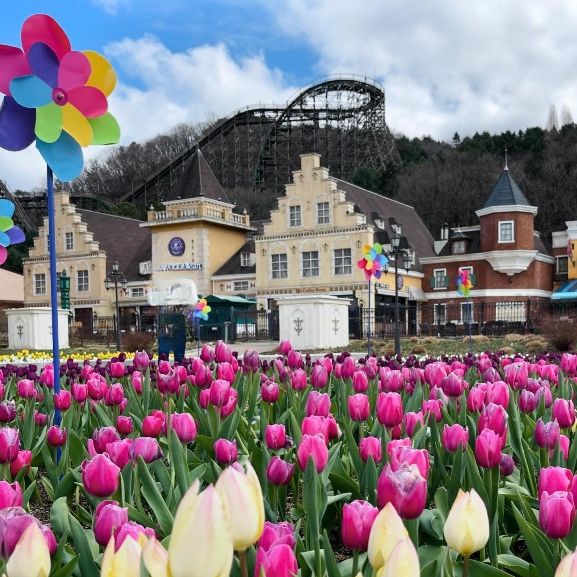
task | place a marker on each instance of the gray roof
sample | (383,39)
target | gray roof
(474,243)
(506,192)
(121,238)
(232,265)
(198,180)
(417,234)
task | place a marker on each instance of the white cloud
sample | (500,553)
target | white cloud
(110,6)
(448,65)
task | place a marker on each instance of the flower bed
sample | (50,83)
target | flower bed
(338,467)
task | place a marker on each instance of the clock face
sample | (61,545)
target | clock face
(399,282)
(176,246)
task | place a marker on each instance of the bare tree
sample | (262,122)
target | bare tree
(552,119)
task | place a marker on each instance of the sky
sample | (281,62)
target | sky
(446,65)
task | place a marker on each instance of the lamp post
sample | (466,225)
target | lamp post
(113,279)
(394,254)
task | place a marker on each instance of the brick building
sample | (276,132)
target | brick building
(511,270)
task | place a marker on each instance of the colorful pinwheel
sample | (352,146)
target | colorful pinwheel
(373,261)
(54,96)
(9,232)
(464,282)
(201,310)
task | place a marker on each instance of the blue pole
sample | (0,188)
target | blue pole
(369,319)
(53,286)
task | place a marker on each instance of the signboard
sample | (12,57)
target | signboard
(172,291)
(179,266)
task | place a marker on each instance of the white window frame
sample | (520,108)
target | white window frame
(68,235)
(436,307)
(467,304)
(311,268)
(240,286)
(512,223)
(557,260)
(435,271)
(87,278)
(461,244)
(281,272)
(347,267)
(326,212)
(36,283)
(244,259)
(294,210)
(137,291)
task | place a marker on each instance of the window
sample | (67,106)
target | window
(466,313)
(513,312)
(240,286)
(40,284)
(507,231)
(440,314)
(310,263)
(562,264)
(343,261)
(137,292)
(295,216)
(323,215)
(69,241)
(244,259)
(440,280)
(459,247)
(279,265)
(82,281)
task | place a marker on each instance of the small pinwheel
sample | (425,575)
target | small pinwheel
(201,310)
(464,282)
(9,232)
(373,261)
(54,96)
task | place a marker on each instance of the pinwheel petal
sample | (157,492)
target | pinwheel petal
(4,239)
(44,63)
(48,122)
(74,70)
(12,63)
(30,91)
(89,100)
(64,156)
(103,76)
(6,207)
(3,255)
(43,28)
(5,223)
(105,129)
(16,125)
(16,235)
(369,265)
(378,273)
(378,248)
(76,124)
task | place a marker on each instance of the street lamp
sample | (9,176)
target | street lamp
(394,254)
(113,279)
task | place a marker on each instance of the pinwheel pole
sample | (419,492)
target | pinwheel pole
(369,321)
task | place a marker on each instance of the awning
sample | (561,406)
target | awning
(229,299)
(566,292)
(417,294)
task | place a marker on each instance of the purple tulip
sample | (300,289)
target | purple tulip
(108,517)
(100,476)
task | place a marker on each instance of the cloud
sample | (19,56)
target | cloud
(448,65)
(110,6)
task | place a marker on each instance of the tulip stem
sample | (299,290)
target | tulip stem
(243,565)
(355,563)
(466,566)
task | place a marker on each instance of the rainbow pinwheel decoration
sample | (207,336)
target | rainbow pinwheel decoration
(373,261)
(54,96)
(201,310)
(464,282)
(9,232)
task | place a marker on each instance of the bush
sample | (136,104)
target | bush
(137,341)
(561,333)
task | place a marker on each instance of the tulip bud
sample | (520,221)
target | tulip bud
(124,425)
(31,557)
(390,409)
(467,525)
(294,360)
(547,434)
(100,476)
(403,562)
(318,404)
(62,400)
(553,479)
(108,517)
(386,532)
(9,444)
(556,514)
(507,465)
(10,495)
(319,376)
(488,449)
(527,401)
(40,419)
(405,488)
(222,352)
(454,436)
(275,437)
(26,389)
(56,436)
(7,411)
(358,518)
(141,360)
(453,385)
(22,461)
(412,420)
(493,417)
(184,426)
(568,565)
(225,451)
(313,447)
(402,455)
(371,447)
(279,472)
(122,560)
(145,447)
(251,360)
(359,408)
(103,437)
(564,413)
(269,391)
(152,425)
(360,379)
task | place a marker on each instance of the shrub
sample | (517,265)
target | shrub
(560,332)
(137,341)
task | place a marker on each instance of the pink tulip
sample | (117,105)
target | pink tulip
(544,392)
(401,456)
(9,444)
(251,360)
(124,425)
(516,375)
(454,436)
(225,451)
(26,389)
(527,401)
(553,479)
(114,395)
(225,372)
(294,360)
(278,561)
(167,383)
(547,434)
(277,534)
(7,411)
(145,447)
(556,514)
(498,393)
(299,380)
(349,368)
(40,419)
(134,531)
(204,398)
(569,364)
(116,370)
(563,448)
(152,424)
(279,472)
(359,408)
(493,417)
(107,518)
(10,495)
(207,354)
(360,381)
(47,376)
(488,449)
(285,347)
(453,385)
(358,517)
(371,447)
(269,391)
(406,489)
(228,408)
(412,420)
(318,404)
(476,398)
(164,367)
(96,388)
(13,522)
(184,426)
(435,373)
(119,452)
(22,461)
(222,352)
(136,382)
(100,476)
(103,436)
(219,391)
(313,447)
(319,376)
(275,437)
(79,392)
(390,409)
(432,407)
(62,400)
(56,436)
(564,413)
(141,360)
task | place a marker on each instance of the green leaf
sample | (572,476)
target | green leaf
(67,569)
(66,485)
(478,569)
(178,462)
(330,561)
(86,563)
(515,564)
(59,517)
(539,557)
(154,498)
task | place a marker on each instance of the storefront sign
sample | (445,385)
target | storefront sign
(180,266)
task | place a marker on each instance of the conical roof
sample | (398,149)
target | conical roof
(506,192)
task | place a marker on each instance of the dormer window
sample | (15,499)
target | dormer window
(506,231)
(459,247)
(244,259)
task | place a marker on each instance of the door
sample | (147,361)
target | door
(85,317)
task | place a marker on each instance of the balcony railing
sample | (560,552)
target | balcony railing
(196,212)
(448,281)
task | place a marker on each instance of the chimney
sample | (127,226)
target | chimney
(443,238)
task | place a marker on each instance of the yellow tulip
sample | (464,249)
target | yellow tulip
(123,563)
(201,543)
(31,557)
(155,559)
(386,532)
(403,562)
(242,497)
(568,566)
(467,526)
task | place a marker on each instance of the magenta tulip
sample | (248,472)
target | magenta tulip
(285,347)
(225,451)
(251,360)
(7,411)
(219,392)
(10,495)
(119,452)
(527,401)
(184,426)
(56,436)
(100,476)
(553,479)
(294,360)
(453,385)
(141,360)
(47,376)
(313,447)
(152,424)
(319,376)
(358,517)
(476,398)
(278,561)
(556,514)
(116,370)
(488,449)
(145,447)
(62,400)
(371,447)
(547,434)
(299,380)
(498,393)
(359,408)
(9,444)
(360,381)
(279,472)
(225,372)
(134,531)
(432,407)
(222,352)
(406,489)
(22,461)
(401,456)
(168,383)
(516,375)
(26,389)
(564,413)
(493,417)
(124,425)
(275,437)
(103,437)
(507,465)
(454,436)
(390,409)
(40,419)
(107,518)
(318,404)
(277,534)
(269,391)
(207,354)
(412,420)
(13,522)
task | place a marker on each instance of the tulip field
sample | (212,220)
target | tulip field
(227,465)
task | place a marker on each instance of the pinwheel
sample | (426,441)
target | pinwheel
(464,282)
(373,261)
(201,310)
(9,232)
